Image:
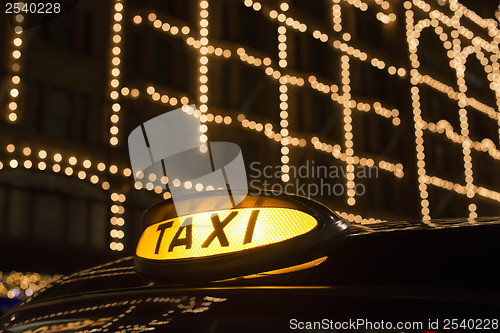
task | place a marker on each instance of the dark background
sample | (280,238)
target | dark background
(75,85)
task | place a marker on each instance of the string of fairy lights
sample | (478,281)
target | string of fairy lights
(95,172)
(458,55)
(380,64)
(15,67)
(203,72)
(114,68)
(284,79)
(283,88)
(348,136)
(457,39)
(116,35)
(244,56)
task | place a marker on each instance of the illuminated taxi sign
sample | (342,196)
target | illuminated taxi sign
(221,232)
(266,232)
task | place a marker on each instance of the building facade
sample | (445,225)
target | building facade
(383,110)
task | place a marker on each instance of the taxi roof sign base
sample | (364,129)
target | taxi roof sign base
(293,251)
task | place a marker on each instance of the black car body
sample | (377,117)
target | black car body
(400,277)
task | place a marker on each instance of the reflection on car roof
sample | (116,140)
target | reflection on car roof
(361,229)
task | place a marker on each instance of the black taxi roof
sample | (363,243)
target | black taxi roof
(409,270)
(420,254)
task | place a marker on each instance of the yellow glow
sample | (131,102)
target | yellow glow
(285,270)
(244,229)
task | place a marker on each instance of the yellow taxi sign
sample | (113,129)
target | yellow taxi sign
(222,232)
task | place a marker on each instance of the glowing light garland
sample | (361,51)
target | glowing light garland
(95,172)
(264,62)
(348,104)
(203,70)
(457,51)
(458,54)
(282,54)
(115,68)
(346,96)
(15,67)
